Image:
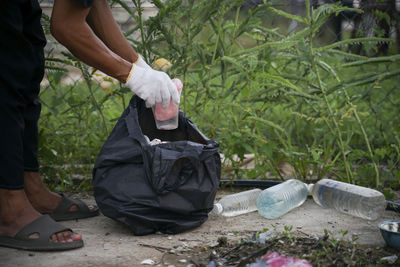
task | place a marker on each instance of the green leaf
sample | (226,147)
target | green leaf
(328,68)
(234,62)
(355,41)
(389,59)
(287,15)
(287,83)
(267,122)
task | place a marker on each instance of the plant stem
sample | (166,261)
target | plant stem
(313,55)
(371,155)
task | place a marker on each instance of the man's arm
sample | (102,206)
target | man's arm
(108,51)
(102,22)
(69,27)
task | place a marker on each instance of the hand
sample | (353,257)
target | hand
(151,85)
(141,63)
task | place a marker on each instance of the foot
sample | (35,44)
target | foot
(41,198)
(16,212)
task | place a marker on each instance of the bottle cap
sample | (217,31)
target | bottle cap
(310,188)
(218,208)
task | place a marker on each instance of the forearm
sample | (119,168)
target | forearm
(101,20)
(69,27)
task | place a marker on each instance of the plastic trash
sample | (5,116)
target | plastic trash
(348,198)
(167,119)
(390,259)
(154,142)
(265,236)
(278,200)
(274,259)
(236,204)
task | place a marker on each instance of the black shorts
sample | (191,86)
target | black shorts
(21,71)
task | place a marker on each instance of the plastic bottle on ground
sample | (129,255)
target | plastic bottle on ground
(278,200)
(348,198)
(236,204)
(167,119)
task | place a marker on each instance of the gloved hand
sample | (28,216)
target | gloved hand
(151,85)
(141,63)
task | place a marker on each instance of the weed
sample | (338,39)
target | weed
(255,89)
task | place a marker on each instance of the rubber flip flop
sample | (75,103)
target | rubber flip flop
(45,227)
(62,212)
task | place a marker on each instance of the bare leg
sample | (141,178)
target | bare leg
(16,211)
(41,198)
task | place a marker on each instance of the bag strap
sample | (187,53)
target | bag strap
(135,132)
(132,123)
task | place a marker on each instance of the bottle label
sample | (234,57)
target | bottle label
(326,186)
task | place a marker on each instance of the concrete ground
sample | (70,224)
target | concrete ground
(108,243)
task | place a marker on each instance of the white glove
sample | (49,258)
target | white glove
(141,63)
(151,85)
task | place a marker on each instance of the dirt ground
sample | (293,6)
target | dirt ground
(108,243)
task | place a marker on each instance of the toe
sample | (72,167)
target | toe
(76,237)
(76,208)
(60,237)
(54,238)
(67,236)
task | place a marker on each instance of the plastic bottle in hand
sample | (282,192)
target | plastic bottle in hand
(348,198)
(278,200)
(167,119)
(236,204)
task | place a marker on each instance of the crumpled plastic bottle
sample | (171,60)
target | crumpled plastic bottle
(167,119)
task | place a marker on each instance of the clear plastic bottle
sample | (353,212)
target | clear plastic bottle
(348,198)
(278,200)
(236,204)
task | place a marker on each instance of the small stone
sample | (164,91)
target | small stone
(214,244)
(147,262)
(31,254)
(203,248)
(106,246)
(183,261)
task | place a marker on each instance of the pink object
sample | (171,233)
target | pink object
(274,259)
(171,111)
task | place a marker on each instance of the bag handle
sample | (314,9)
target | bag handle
(132,120)
(135,132)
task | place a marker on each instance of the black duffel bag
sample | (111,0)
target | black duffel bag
(169,187)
